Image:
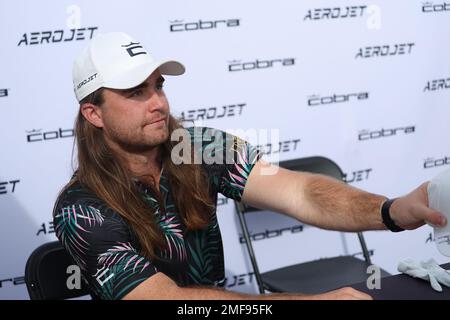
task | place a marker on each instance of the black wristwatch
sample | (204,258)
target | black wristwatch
(387,220)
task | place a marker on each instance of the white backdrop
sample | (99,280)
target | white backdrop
(366,85)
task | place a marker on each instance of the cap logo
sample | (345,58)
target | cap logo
(133,49)
(86,81)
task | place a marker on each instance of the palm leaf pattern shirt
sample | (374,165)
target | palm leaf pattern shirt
(106,249)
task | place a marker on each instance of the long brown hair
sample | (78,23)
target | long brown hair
(102,172)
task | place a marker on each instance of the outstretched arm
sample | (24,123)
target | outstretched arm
(332,204)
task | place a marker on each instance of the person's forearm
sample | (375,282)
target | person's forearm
(333,204)
(205,293)
(161,287)
(210,293)
(201,293)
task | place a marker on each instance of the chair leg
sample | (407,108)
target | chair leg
(366,253)
(249,246)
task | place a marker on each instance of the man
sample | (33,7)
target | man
(142,225)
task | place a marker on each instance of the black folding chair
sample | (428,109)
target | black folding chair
(316,276)
(46,274)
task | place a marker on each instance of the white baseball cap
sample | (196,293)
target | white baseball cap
(117,61)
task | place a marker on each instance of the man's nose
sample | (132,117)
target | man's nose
(157,102)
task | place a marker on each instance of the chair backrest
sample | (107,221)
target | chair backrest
(315,164)
(46,274)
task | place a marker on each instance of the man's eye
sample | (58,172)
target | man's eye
(159,86)
(137,93)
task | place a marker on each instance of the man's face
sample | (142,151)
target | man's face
(137,119)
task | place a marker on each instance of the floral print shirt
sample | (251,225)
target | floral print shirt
(106,249)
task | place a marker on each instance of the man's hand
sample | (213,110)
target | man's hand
(411,211)
(346,293)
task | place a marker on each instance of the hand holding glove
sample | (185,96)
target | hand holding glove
(426,270)
(439,199)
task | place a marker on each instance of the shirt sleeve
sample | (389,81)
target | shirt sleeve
(100,243)
(226,158)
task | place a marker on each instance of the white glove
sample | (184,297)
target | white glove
(426,270)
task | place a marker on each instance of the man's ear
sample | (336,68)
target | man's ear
(93,114)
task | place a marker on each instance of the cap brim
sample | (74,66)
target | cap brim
(171,68)
(136,76)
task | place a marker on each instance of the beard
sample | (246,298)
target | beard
(144,141)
